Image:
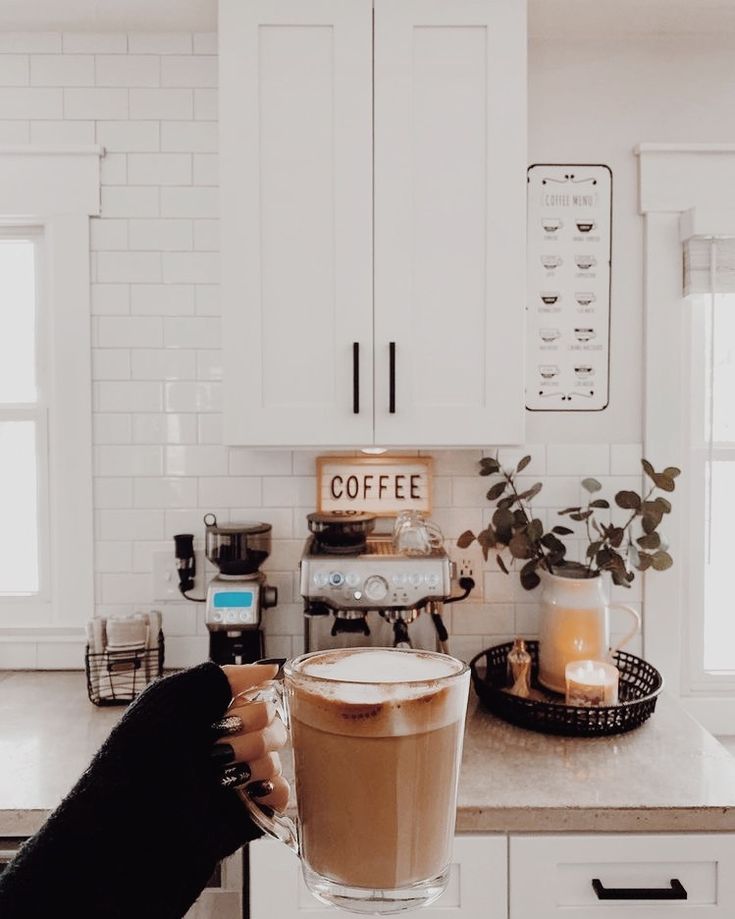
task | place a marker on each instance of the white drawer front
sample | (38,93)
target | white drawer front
(552,876)
(477,886)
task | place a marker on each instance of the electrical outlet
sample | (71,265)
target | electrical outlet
(166,577)
(469,564)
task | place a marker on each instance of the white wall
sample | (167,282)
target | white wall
(159,462)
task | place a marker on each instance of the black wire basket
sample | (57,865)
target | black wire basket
(638,690)
(117,677)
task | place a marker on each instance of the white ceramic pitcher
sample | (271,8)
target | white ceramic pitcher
(575,624)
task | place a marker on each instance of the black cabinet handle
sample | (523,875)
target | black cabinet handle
(356,377)
(392,379)
(675,892)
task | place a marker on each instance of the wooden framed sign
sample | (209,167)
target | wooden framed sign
(383,485)
(568,307)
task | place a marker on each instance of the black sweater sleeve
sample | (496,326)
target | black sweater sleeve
(142,830)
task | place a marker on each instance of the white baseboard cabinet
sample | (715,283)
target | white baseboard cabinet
(477,886)
(635,876)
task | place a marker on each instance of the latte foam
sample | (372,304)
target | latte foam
(380,665)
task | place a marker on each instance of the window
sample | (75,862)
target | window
(46,525)
(23,420)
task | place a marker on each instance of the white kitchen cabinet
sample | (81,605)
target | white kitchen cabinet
(360,311)
(551,877)
(477,887)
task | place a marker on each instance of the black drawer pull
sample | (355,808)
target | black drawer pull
(677,891)
(392,379)
(356,377)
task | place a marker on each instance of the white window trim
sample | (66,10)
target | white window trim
(673,179)
(57,190)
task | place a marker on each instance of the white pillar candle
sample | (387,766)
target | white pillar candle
(591,683)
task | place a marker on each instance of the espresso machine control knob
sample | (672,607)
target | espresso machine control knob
(270,597)
(376,588)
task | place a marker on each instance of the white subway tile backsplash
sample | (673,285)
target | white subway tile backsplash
(191,333)
(128,460)
(108,234)
(209,429)
(189,70)
(230,491)
(198,397)
(60,70)
(31,102)
(129,266)
(209,365)
(190,202)
(113,491)
(110,299)
(186,651)
(180,520)
(71,133)
(205,104)
(161,104)
(30,42)
(161,235)
(113,556)
(127,396)
(129,136)
(207,300)
(113,168)
(127,70)
(205,42)
(162,364)
(14,132)
(162,299)
(159,42)
(165,429)
(110,364)
(95,103)
(289,491)
(206,235)
(206,169)
(112,428)
(159,168)
(14,70)
(625,459)
(125,201)
(577,459)
(196,460)
(128,524)
(190,267)
(125,588)
(165,492)
(130,331)
(94,43)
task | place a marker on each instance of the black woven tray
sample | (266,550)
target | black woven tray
(639,687)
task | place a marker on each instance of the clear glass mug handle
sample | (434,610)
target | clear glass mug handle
(271,822)
(436,537)
(636,625)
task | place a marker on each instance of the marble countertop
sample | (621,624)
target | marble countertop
(670,775)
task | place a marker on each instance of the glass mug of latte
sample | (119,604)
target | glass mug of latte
(377,744)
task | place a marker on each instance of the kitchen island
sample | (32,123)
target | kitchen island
(669,775)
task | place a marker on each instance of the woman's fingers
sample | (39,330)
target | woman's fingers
(251,716)
(247,676)
(260,770)
(253,745)
(277,798)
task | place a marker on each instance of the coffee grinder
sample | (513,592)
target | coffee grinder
(238,594)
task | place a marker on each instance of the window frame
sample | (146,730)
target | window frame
(55,191)
(682,188)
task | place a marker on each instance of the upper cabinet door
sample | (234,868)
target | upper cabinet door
(450,191)
(296,218)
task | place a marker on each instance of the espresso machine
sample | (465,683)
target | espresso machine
(238,594)
(358,589)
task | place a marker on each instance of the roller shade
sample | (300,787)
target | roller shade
(709,265)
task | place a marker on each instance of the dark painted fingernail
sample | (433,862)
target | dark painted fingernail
(260,789)
(276,661)
(237,774)
(232,724)
(222,753)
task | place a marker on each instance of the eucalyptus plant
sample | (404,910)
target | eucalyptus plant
(610,547)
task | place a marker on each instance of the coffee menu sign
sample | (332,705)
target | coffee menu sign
(383,485)
(568,297)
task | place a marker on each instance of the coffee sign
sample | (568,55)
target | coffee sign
(383,485)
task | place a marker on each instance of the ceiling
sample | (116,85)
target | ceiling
(554,18)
